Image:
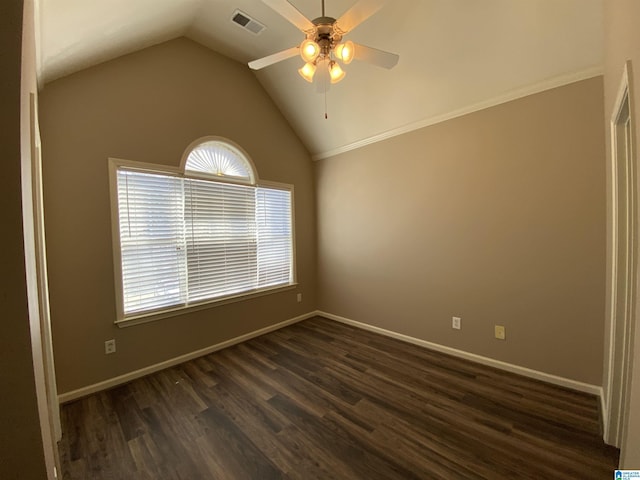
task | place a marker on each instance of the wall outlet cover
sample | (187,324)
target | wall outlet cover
(110,346)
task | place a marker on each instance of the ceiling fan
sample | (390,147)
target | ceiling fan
(323,45)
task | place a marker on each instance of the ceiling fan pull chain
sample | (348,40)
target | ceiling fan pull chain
(326,116)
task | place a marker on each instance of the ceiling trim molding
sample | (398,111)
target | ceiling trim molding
(549,84)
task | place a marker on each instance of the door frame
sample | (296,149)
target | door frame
(41,273)
(622,264)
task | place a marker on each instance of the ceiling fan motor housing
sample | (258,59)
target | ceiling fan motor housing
(326,34)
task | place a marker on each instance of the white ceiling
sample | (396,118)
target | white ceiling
(455,55)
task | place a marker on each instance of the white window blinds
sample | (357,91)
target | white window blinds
(273,221)
(219,158)
(186,241)
(221,238)
(152,252)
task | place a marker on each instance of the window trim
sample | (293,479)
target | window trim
(114,164)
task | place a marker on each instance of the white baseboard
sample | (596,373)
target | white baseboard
(526,372)
(604,417)
(127,377)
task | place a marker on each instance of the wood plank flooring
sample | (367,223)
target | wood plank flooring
(322,400)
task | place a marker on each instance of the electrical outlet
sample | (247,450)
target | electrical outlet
(500,332)
(299,297)
(110,346)
(455,323)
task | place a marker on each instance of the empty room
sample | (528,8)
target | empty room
(307,239)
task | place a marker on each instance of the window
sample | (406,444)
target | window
(214,157)
(203,233)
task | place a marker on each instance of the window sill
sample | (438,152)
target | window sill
(181,310)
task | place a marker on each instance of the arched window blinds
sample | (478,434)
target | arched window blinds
(218,158)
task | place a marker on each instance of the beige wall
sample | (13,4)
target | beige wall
(21,447)
(622,43)
(149,106)
(497,217)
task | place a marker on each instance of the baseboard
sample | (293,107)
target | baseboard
(509,367)
(113,382)
(604,417)
(527,372)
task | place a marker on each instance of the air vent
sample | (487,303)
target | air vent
(245,21)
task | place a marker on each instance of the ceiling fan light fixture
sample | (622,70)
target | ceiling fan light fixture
(309,50)
(346,51)
(307,71)
(335,72)
(322,49)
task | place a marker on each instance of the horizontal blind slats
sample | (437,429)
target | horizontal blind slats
(185,240)
(221,238)
(151,240)
(273,219)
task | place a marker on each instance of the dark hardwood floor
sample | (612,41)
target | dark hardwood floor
(322,400)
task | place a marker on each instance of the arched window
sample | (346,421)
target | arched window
(205,232)
(220,158)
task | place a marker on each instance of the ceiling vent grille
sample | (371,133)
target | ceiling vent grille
(245,21)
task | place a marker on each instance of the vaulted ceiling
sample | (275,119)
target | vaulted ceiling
(456,56)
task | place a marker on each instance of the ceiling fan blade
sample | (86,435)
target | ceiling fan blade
(376,57)
(291,13)
(274,58)
(358,14)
